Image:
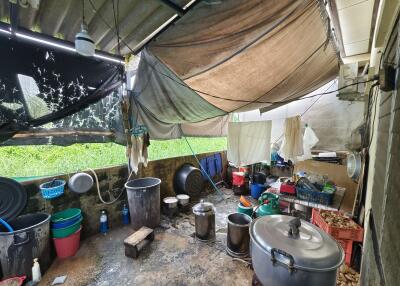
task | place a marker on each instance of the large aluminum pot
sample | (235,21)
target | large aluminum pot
(288,251)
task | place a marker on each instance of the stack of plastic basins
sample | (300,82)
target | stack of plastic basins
(238,183)
(66,231)
(345,236)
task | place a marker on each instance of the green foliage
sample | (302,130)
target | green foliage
(30,161)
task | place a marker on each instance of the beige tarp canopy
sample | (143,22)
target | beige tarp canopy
(236,55)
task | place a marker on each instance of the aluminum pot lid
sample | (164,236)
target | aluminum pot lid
(203,207)
(80,183)
(170,200)
(312,249)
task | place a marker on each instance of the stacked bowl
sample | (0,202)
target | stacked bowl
(65,230)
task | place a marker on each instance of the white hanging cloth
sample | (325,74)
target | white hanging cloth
(249,142)
(310,139)
(292,144)
(137,153)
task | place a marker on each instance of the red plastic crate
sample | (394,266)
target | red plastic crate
(354,234)
(348,250)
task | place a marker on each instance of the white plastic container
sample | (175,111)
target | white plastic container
(36,274)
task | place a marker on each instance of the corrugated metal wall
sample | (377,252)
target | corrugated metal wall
(386,183)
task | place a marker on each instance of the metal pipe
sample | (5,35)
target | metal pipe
(45,40)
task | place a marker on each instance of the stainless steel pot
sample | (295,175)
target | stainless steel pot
(238,238)
(204,220)
(288,251)
(170,202)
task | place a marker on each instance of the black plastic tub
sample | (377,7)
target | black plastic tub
(144,202)
(30,239)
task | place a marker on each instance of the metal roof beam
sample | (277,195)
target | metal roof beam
(13,16)
(164,27)
(173,6)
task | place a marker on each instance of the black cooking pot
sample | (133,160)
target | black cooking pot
(258,178)
(188,180)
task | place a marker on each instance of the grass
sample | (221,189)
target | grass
(31,161)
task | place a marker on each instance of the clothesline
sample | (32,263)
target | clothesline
(311,105)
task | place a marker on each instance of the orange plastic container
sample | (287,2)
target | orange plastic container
(68,246)
(354,234)
(348,250)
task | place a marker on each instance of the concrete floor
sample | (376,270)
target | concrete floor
(173,258)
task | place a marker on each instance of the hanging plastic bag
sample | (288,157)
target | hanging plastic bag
(309,141)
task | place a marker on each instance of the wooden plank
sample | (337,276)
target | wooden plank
(138,236)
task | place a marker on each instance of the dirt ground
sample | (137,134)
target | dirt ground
(175,257)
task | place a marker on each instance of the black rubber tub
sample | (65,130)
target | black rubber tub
(30,239)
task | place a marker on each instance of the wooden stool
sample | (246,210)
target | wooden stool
(137,241)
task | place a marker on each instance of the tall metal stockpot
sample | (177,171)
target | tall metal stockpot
(288,251)
(204,220)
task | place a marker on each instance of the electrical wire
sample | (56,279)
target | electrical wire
(371,124)
(116,24)
(108,25)
(312,104)
(301,97)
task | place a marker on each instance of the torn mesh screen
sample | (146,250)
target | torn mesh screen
(42,89)
(98,123)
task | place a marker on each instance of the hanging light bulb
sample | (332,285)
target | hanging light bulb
(84,44)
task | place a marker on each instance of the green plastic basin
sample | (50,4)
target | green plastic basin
(65,215)
(67,231)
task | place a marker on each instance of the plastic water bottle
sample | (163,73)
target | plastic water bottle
(36,274)
(125,215)
(103,222)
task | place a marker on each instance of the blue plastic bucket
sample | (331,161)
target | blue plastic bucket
(256,190)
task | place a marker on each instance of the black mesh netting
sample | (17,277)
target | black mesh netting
(44,89)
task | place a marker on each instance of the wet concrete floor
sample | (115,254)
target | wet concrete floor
(173,258)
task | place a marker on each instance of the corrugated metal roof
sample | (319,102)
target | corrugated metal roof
(62,18)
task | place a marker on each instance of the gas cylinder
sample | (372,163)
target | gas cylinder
(269,204)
